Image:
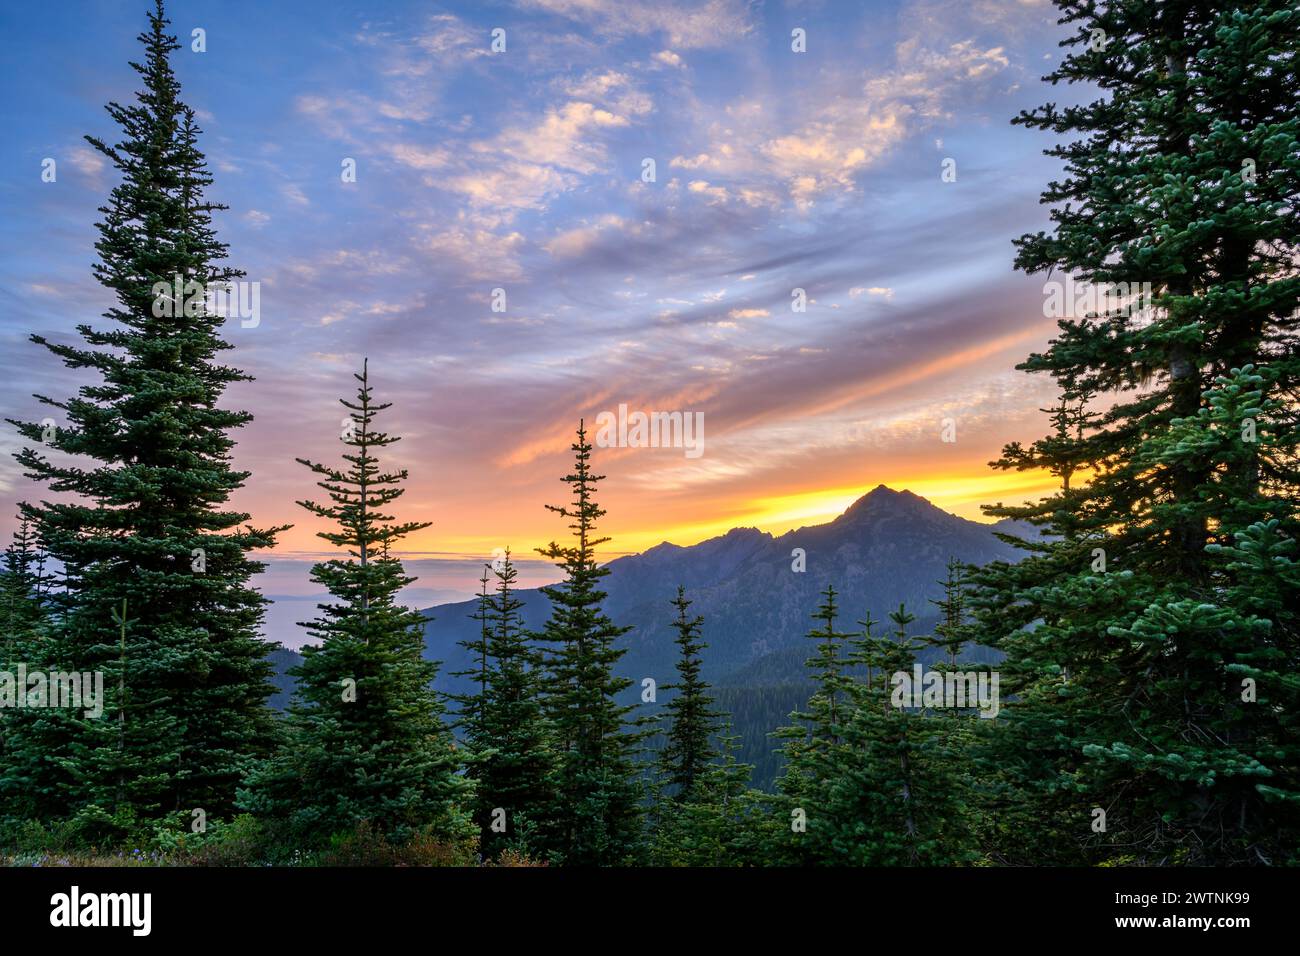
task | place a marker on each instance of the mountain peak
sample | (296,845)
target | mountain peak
(885,500)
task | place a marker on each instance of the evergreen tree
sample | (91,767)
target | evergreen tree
(812,742)
(24,592)
(517,773)
(367,744)
(711,817)
(950,633)
(145,463)
(897,795)
(471,705)
(724,823)
(692,718)
(598,817)
(1130,629)
(31,786)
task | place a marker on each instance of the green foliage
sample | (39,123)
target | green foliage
(724,823)
(31,785)
(365,846)
(899,792)
(514,762)
(598,818)
(366,742)
(812,741)
(691,717)
(877,783)
(1167,579)
(144,479)
(704,812)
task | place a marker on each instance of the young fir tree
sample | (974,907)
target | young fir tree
(367,743)
(598,816)
(31,786)
(144,465)
(692,719)
(949,632)
(813,742)
(470,705)
(1131,630)
(24,591)
(710,817)
(898,794)
(516,776)
(725,823)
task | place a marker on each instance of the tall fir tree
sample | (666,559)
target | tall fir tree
(1150,634)
(144,462)
(367,744)
(692,718)
(516,777)
(704,814)
(598,817)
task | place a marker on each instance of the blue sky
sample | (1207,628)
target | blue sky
(522,170)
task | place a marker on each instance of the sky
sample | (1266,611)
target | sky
(523,170)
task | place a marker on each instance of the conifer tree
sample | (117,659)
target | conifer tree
(725,823)
(471,705)
(1131,629)
(144,460)
(950,633)
(813,741)
(367,743)
(31,786)
(692,719)
(24,592)
(598,817)
(897,794)
(710,818)
(516,776)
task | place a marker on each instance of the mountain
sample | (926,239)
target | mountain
(888,547)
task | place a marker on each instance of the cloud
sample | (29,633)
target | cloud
(857,123)
(448,39)
(479,253)
(88,162)
(686,25)
(563,138)
(575,242)
(411,70)
(527,164)
(713,193)
(875,290)
(420,157)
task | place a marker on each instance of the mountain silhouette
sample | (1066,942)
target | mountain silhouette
(889,547)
